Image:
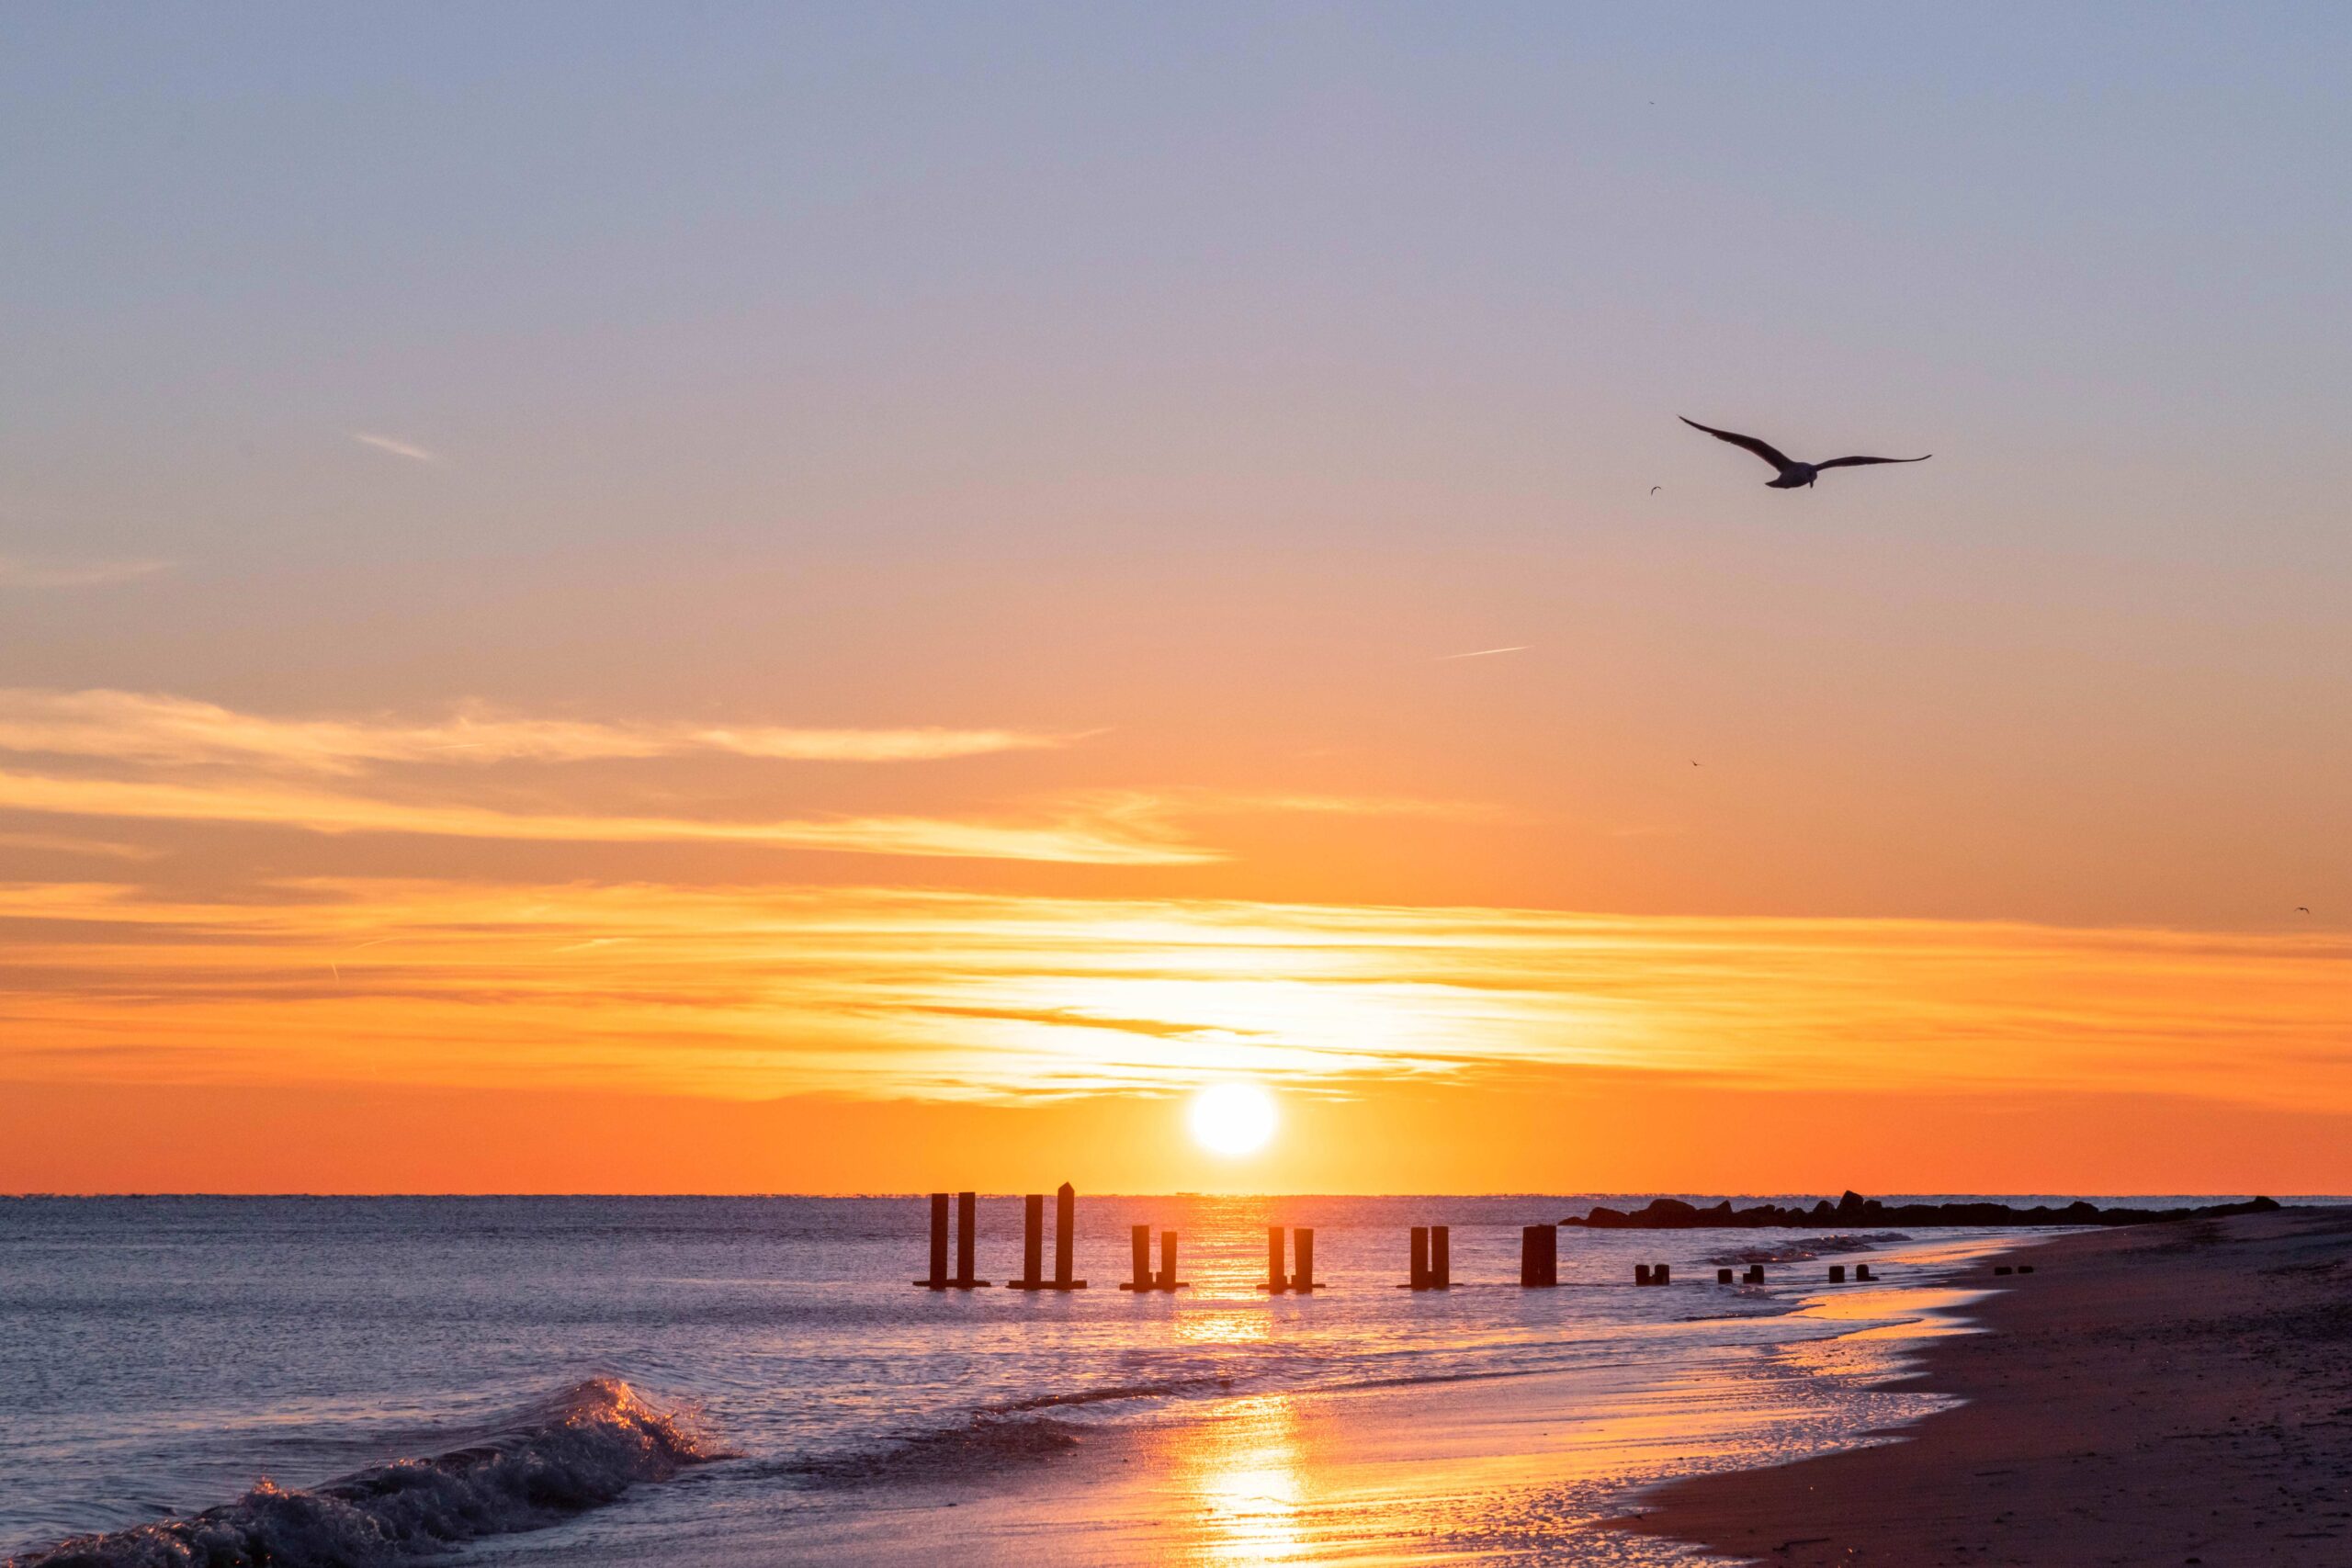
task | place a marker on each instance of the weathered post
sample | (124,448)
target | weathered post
(1276,1281)
(1661,1273)
(938,1280)
(1836,1273)
(1755,1274)
(1441,1258)
(967,1229)
(1640,1274)
(1065,1237)
(1862,1271)
(1420,1269)
(1723,1276)
(1168,1281)
(1539,1256)
(1033,1242)
(1302,1256)
(1139,1240)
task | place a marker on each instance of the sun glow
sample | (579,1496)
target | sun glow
(1233,1118)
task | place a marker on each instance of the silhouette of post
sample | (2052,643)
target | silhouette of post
(1862,1271)
(1836,1273)
(1140,1242)
(1276,1281)
(1441,1258)
(1755,1274)
(1419,1269)
(938,1280)
(1539,1256)
(1302,1253)
(1661,1273)
(1723,1276)
(1033,1241)
(1640,1274)
(1168,1281)
(966,1231)
(1065,1237)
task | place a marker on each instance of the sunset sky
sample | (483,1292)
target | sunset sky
(850,599)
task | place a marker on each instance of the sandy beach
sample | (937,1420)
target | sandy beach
(2176,1394)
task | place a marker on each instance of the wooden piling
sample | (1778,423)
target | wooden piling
(1139,1241)
(1862,1271)
(1276,1281)
(1441,1258)
(1302,1258)
(1661,1273)
(1836,1273)
(1033,1242)
(2025,1268)
(1539,1256)
(1065,1237)
(967,1206)
(1419,1275)
(2001,1268)
(938,1280)
(1168,1281)
(1723,1276)
(1755,1274)
(1640,1274)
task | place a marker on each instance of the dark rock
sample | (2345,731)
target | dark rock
(1853,1208)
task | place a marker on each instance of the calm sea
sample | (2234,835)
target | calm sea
(422,1372)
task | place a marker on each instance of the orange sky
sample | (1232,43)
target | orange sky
(794,599)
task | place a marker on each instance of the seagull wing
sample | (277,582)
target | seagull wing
(1763,449)
(1857,462)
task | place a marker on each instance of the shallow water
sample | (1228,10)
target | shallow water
(159,1356)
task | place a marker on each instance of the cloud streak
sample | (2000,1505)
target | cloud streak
(152,728)
(1124,839)
(396,448)
(941,996)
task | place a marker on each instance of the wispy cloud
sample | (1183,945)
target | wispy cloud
(65,844)
(16,572)
(396,447)
(1125,837)
(1484,653)
(152,728)
(973,995)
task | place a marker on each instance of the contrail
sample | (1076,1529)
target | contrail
(1484,653)
(414,454)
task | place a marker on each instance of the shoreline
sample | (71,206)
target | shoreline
(2169,1393)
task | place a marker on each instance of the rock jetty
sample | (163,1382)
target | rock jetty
(1854,1210)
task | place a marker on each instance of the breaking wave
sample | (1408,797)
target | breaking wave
(578,1450)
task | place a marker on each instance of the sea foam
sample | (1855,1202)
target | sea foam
(580,1449)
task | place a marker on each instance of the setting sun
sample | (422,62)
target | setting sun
(1233,1118)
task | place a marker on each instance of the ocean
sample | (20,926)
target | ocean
(315,1380)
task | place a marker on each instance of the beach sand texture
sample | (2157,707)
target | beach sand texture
(2175,1395)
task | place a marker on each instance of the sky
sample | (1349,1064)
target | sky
(747,598)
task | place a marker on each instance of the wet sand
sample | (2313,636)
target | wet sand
(2170,1395)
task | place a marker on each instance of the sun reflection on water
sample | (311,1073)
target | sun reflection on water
(1248,1480)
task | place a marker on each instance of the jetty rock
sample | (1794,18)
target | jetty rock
(1854,1210)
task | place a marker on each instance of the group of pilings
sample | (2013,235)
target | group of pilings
(1430,1267)
(1033,1243)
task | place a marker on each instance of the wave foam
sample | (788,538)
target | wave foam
(580,1449)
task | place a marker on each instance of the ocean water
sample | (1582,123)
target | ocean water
(488,1374)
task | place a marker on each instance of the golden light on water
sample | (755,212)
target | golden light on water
(1233,1119)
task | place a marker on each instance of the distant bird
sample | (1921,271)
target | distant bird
(1793,475)
(2302,908)
(1654,489)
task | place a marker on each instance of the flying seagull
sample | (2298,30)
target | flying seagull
(1792,475)
(2302,908)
